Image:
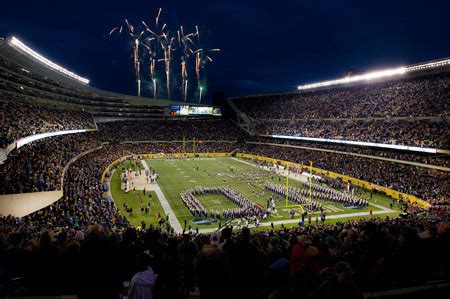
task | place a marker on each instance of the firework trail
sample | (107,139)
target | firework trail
(201,58)
(184,42)
(162,46)
(166,43)
(136,41)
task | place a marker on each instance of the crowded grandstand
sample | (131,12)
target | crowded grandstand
(330,190)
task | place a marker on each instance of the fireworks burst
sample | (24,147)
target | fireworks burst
(156,43)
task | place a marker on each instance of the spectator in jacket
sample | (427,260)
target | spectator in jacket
(143,281)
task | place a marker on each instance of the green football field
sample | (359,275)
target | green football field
(135,201)
(178,175)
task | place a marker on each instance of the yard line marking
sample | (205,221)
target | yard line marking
(165,205)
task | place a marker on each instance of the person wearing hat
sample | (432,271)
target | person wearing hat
(211,267)
(227,242)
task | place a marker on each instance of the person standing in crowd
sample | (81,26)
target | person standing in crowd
(97,254)
(187,252)
(212,267)
(301,264)
(143,282)
(248,267)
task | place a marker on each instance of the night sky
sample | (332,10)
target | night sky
(267,45)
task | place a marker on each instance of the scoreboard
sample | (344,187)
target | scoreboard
(186,110)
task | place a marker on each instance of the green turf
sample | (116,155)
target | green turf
(135,200)
(216,202)
(178,175)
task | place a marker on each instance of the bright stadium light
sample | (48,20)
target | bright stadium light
(378,74)
(16,43)
(428,65)
(23,141)
(368,76)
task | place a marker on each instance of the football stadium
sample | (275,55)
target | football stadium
(333,188)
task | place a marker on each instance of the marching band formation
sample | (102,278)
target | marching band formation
(329,194)
(247,208)
(302,196)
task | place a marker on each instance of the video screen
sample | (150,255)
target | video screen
(199,110)
(185,110)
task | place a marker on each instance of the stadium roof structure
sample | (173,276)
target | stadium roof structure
(18,52)
(17,44)
(381,74)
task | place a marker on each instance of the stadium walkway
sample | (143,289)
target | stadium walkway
(173,220)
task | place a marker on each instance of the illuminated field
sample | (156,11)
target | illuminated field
(177,176)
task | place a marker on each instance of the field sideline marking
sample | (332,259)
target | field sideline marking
(165,205)
(297,220)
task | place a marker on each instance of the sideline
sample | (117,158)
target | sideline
(297,220)
(173,220)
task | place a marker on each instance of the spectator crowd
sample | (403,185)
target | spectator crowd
(201,130)
(420,133)
(340,260)
(18,120)
(38,166)
(425,95)
(437,159)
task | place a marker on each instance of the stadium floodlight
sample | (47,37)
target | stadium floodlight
(363,77)
(378,74)
(428,65)
(17,44)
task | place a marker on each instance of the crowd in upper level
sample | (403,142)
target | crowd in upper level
(19,84)
(420,133)
(418,157)
(170,130)
(10,71)
(426,95)
(18,120)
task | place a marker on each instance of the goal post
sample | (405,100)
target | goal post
(287,193)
